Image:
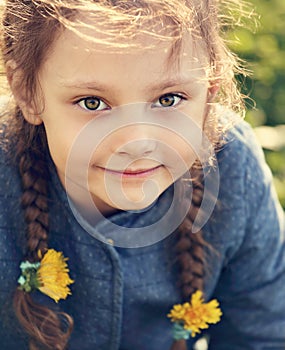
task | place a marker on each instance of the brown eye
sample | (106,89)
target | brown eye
(167,100)
(92,104)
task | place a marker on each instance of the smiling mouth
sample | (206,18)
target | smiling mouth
(132,173)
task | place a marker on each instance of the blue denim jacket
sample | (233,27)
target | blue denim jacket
(121,296)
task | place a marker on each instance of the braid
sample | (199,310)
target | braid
(189,250)
(34,202)
(42,324)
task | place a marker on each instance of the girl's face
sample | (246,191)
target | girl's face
(84,84)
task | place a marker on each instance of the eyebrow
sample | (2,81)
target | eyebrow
(162,85)
(93,85)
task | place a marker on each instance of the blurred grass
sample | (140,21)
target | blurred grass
(264,50)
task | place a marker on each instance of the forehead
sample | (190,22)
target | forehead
(95,50)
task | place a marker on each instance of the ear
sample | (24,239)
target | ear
(15,78)
(213,90)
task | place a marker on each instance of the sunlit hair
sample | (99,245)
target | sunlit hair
(30,27)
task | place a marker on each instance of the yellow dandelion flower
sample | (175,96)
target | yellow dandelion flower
(197,314)
(53,275)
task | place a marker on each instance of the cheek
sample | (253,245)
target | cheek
(60,142)
(181,146)
(180,156)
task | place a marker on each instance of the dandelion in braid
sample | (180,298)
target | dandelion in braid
(42,324)
(30,29)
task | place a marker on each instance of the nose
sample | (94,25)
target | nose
(137,142)
(137,148)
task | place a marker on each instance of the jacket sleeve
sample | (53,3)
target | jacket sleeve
(251,284)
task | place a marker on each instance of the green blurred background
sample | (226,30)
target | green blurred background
(263,47)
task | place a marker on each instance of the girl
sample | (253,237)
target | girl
(114,102)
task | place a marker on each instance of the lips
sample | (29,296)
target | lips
(132,172)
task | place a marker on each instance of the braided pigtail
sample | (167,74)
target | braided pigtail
(42,324)
(189,251)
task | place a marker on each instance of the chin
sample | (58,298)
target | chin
(134,205)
